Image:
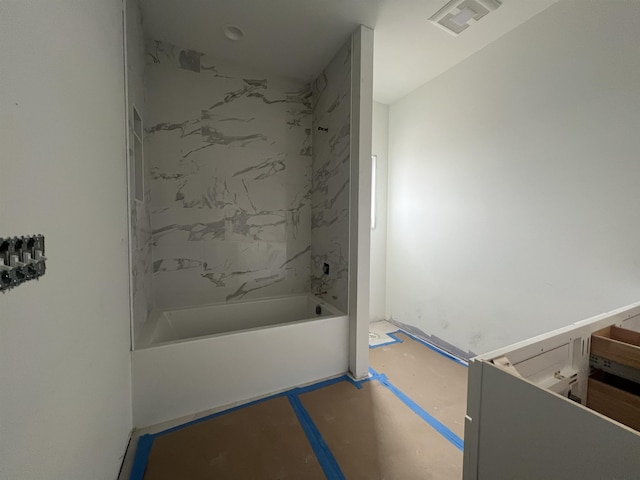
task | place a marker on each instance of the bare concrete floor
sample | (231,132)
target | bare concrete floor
(342,430)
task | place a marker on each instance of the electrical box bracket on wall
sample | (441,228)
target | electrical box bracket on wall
(21,259)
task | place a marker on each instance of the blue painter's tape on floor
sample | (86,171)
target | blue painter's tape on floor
(146,441)
(324,455)
(393,335)
(217,414)
(393,340)
(375,375)
(296,390)
(356,383)
(142,456)
(430,346)
(316,386)
(326,459)
(421,412)
(442,352)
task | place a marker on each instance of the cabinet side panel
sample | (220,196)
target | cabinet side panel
(529,433)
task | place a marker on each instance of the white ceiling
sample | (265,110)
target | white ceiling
(297,38)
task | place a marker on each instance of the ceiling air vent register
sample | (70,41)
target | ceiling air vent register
(458,15)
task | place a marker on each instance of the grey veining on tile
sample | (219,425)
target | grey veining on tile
(230,170)
(248,178)
(330,183)
(140,215)
(160,52)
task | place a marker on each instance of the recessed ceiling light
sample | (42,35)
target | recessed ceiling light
(233,33)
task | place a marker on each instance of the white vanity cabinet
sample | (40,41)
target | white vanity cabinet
(526,409)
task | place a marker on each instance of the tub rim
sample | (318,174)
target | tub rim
(147,332)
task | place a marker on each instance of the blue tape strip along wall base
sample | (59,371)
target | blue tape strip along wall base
(418,410)
(326,459)
(430,346)
(439,350)
(142,455)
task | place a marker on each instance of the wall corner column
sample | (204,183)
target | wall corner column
(360,199)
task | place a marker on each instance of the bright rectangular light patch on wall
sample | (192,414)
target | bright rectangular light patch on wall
(374,161)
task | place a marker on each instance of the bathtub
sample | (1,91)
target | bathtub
(189,360)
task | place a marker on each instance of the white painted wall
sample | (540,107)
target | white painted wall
(380,148)
(65,397)
(514,182)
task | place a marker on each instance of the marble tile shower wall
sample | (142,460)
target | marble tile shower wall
(229,155)
(330,190)
(142,265)
(141,261)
